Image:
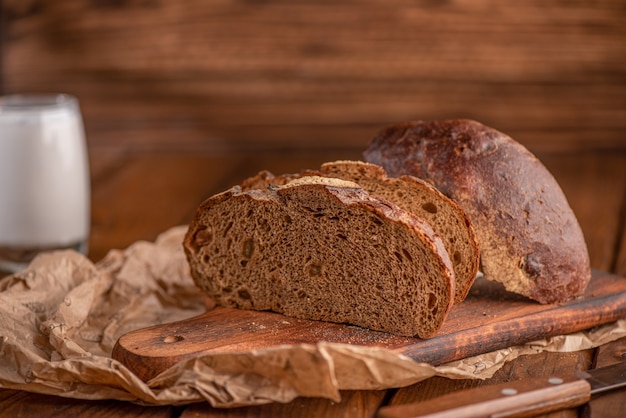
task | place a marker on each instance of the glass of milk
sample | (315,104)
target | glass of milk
(44,178)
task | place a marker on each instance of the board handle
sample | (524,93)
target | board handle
(523,398)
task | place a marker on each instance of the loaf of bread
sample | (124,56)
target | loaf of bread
(529,238)
(322,249)
(411,194)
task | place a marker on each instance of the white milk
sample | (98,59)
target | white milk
(44,173)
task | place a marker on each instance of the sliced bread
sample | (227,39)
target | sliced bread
(322,249)
(411,194)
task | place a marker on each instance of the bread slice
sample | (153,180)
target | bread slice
(529,237)
(322,249)
(411,194)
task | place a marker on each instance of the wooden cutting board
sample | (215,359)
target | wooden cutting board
(489,319)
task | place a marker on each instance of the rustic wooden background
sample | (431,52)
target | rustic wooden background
(244,76)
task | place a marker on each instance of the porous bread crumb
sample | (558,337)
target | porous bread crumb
(411,194)
(416,196)
(323,252)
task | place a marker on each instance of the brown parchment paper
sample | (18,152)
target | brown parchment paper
(61,317)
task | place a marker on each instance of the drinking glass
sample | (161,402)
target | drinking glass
(44,178)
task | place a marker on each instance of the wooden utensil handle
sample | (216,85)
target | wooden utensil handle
(524,398)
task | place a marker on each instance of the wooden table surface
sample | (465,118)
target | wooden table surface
(138,195)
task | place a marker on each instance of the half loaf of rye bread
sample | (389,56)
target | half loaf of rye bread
(322,249)
(411,194)
(529,237)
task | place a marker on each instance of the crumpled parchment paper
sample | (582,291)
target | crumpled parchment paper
(61,317)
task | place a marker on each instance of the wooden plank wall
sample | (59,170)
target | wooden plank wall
(233,76)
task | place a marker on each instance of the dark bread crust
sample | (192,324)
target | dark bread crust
(322,249)
(529,237)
